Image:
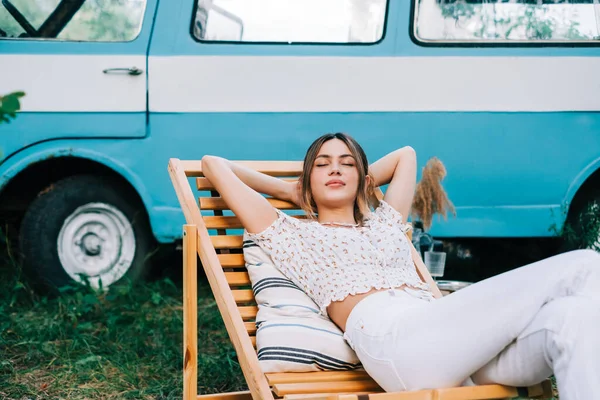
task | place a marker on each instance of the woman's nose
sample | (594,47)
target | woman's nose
(335,169)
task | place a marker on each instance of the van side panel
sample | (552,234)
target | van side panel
(513,133)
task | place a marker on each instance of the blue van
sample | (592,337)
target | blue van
(504,93)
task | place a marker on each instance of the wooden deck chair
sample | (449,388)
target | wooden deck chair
(223,262)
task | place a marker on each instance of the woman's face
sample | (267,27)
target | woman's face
(334,177)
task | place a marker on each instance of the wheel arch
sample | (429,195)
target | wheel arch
(585,184)
(28,176)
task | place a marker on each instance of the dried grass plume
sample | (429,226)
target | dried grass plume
(430,196)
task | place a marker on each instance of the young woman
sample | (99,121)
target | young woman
(517,328)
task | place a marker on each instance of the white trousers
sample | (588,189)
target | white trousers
(516,329)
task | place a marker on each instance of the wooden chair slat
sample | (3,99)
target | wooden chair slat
(327,376)
(225,222)
(248,313)
(232,260)
(227,241)
(281,389)
(477,392)
(541,390)
(203,184)
(229,222)
(250,328)
(237,278)
(193,168)
(243,296)
(426,394)
(217,203)
(322,396)
(190,168)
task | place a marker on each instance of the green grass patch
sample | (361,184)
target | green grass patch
(123,344)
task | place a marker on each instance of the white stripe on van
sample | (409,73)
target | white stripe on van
(329,84)
(63,83)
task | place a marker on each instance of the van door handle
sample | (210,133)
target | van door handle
(130,71)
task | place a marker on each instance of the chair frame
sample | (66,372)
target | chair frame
(220,265)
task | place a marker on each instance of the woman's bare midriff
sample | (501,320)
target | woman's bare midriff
(340,310)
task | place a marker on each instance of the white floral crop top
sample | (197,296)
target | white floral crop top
(330,263)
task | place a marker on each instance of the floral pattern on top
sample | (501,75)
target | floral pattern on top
(331,262)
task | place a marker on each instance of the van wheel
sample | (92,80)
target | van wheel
(582,229)
(85,228)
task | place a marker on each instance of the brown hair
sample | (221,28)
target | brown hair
(365,195)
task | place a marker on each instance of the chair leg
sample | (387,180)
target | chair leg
(190,313)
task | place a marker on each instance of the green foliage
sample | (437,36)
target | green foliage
(583,231)
(123,344)
(9,105)
(528,22)
(457,10)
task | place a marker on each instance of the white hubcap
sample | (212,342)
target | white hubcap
(96,243)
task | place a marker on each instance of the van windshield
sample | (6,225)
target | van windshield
(79,20)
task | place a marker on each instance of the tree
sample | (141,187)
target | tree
(509,20)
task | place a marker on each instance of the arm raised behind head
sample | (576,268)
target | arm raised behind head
(240,187)
(399,169)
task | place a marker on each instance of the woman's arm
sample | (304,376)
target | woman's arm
(240,187)
(399,169)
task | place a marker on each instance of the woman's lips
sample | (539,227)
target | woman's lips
(335,183)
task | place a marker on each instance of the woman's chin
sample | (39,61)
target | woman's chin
(336,202)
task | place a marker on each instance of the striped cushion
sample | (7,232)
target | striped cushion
(291,334)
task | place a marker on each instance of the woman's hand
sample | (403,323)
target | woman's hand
(240,187)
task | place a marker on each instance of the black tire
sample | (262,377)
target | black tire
(44,219)
(582,228)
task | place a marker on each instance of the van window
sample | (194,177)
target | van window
(502,21)
(290,21)
(75,20)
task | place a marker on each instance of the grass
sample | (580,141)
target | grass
(123,344)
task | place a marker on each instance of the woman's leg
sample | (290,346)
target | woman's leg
(564,338)
(440,344)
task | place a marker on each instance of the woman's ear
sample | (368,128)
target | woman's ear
(368,180)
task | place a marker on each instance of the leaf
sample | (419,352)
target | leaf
(156,298)
(90,299)
(10,103)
